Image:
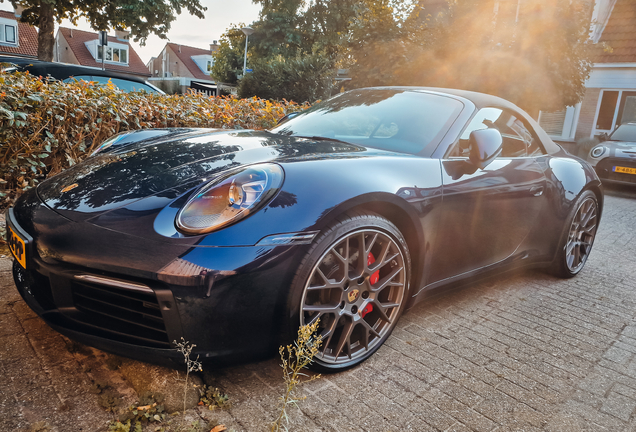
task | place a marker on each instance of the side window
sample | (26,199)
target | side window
(518,138)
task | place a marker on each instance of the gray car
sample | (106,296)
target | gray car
(615,159)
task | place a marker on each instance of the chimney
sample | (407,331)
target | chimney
(71,32)
(17,11)
(179,48)
(214,47)
(122,35)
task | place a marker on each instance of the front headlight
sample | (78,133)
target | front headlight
(229,198)
(597,151)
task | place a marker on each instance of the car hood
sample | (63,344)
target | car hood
(622,149)
(180,159)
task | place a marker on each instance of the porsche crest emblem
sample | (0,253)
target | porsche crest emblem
(70,187)
(353,295)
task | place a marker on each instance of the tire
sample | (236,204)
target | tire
(338,291)
(578,236)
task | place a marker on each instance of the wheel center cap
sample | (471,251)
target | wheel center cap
(353,295)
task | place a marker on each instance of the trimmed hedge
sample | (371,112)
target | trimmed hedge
(47,126)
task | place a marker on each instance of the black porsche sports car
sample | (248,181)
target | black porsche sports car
(615,159)
(348,213)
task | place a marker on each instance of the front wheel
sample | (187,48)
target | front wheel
(577,239)
(355,280)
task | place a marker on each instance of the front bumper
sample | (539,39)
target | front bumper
(227,300)
(605,170)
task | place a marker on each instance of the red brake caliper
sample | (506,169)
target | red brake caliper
(375,276)
(372,280)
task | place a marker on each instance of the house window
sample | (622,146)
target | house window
(8,33)
(115,55)
(209,66)
(615,108)
(552,122)
(560,125)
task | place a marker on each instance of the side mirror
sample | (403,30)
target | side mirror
(287,117)
(485,145)
(602,137)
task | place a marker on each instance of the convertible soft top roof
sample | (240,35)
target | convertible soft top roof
(482,100)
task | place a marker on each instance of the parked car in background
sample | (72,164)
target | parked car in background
(615,159)
(68,72)
(345,214)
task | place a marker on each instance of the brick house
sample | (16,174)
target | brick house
(82,48)
(610,96)
(17,38)
(181,67)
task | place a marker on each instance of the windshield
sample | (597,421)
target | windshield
(388,119)
(625,132)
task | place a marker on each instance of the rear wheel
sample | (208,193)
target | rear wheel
(355,280)
(577,240)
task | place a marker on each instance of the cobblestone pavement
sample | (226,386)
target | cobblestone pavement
(522,352)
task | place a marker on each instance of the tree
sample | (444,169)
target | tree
(228,59)
(142,17)
(294,51)
(300,79)
(380,42)
(537,56)
(279,29)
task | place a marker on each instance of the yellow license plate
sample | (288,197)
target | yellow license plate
(625,170)
(17,247)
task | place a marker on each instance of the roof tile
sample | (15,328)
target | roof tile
(185,54)
(619,34)
(77,39)
(27,39)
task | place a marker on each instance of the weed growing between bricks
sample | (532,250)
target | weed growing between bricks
(150,411)
(295,358)
(185,348)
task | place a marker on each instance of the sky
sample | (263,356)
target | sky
(192,31)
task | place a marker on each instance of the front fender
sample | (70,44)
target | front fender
(569,177)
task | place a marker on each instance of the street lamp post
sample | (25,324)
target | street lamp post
(248,31)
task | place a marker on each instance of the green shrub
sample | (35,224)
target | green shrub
(303,78)
(47,126)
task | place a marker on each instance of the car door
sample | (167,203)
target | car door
(487,213)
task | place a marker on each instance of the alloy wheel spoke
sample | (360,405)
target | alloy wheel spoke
(590,215)
(384,282)
(570,247)
(321,308)
(577,255)
(344,259)
(368,247)
(369,330)
(361,264)
(330,332)
(327,283)
(315,318)
(589,229)
(382,311)
(391,258)
(345,339)
(588,212)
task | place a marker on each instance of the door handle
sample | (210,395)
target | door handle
(536,191)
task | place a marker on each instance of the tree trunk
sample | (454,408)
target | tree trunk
(46,36)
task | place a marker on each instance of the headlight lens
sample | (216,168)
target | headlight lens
(597,151)
(229,199)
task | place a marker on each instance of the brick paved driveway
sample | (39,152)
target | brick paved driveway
(523,352)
